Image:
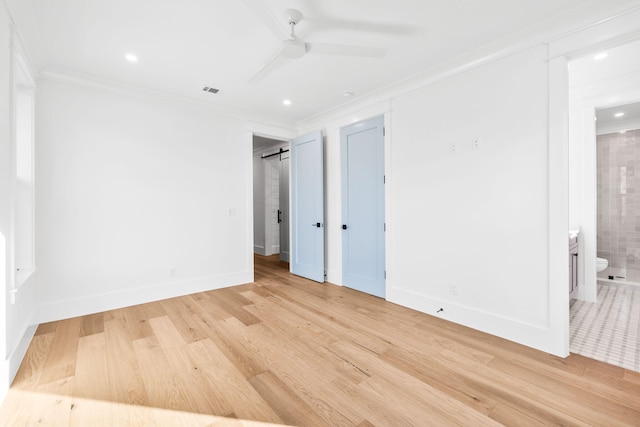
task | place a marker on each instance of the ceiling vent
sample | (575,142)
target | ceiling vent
(210,89)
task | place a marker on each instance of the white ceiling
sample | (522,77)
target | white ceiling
(608,115)
(185,45)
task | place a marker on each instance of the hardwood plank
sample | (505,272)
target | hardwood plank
(632,377)
(92,324)
(181,312)
(92,371)
(233,339)
(124,374)
(284,401)
(232,385)
(163,388)
(454,384)
(61,357)
(393,384)
(153,309)
(520,393)
(46,328)
(593,405)
(188,373)
(137,322)
(234,303)
(510,416)
(33,364)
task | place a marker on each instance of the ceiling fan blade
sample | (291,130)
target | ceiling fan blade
(274,63)
(345,49)
(268,19)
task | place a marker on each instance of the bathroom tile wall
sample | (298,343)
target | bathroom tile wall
(618,198)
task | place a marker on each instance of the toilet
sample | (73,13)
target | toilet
(601,264)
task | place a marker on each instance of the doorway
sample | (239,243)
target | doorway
(271,197)
(601,188)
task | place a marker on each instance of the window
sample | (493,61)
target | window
(23,183)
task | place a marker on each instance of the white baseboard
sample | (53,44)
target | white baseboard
(530,335)
(73,307)
(259,250)
(17,354)
(334,277)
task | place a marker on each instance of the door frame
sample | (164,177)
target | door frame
(599,36)
(333,185)
(266,131)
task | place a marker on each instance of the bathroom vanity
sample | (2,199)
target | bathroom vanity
(573,263)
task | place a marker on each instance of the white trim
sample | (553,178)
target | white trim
(270,131)
(15,358)
(74,307)
(531,335)
(152,95)
(558,188)
(611,31)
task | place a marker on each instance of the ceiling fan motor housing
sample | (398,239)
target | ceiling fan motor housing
(292,16)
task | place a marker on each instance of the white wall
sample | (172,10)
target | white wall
(475,218)
(129,189)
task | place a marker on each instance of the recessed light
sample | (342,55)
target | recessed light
(347,93)
(623,131)
(619,114)
(131,57)
(286,102)
(601,56)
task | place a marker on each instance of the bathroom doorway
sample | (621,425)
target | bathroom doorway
(604,92)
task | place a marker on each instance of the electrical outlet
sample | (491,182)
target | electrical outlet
(475,144)
(453,289)
(172,272)
(453,148)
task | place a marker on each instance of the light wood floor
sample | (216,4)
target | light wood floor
(284,350)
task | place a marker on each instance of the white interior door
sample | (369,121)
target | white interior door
(363,223)
(307,206)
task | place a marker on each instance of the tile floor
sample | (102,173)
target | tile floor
(608,330)
(620,275)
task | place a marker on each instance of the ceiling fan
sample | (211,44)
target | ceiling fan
(293,47)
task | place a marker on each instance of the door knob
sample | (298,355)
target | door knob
(317,224)
(344,226)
